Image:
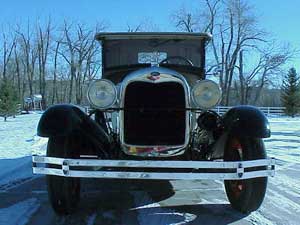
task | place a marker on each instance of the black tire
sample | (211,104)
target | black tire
(63,192)
(245,195)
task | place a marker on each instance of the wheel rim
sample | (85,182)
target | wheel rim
(236,154)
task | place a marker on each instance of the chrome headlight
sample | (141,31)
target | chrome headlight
(206,94)
(102,94)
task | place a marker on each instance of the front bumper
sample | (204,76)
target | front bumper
(163,170)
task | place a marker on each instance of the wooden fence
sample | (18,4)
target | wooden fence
(267,110)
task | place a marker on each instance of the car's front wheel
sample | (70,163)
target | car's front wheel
(245,195)
(63,192)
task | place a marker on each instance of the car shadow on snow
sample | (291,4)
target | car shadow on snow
(137,202)
(123,202)
(193,214)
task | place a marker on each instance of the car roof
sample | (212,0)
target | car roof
(152,35)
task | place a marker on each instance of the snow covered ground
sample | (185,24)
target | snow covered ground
(281,206)
(284,143)
(18,140)
(18,136)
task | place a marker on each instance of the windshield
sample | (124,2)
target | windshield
(150,51)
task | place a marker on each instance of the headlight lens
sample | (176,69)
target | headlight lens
(102,94)
(206,94)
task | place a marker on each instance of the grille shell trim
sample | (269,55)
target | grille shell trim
(167,75)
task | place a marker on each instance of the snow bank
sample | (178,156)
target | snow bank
(18,136)
(18,140)
(283,118)
(12,170)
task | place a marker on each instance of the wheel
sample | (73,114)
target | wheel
(63,192)
(245,195)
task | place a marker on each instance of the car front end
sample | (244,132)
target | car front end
(155,121)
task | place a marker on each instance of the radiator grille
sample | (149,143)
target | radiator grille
(154,114)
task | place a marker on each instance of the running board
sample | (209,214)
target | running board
(214,170)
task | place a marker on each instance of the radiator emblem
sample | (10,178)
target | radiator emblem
(154,76)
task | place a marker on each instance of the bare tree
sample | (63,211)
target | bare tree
(58,68)
(146,24)
(69,55)
(86,49)
(79,52)
(269,67)
(185,20)
(7,51)
(54,88)
(136,28)
(20,79)
(43,54)
(238,33)
(234,28)
(28,47)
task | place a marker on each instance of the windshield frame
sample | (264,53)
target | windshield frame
(203,38)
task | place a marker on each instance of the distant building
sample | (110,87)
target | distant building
(33,103)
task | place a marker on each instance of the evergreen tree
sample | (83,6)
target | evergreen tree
(290,93)
(8,99)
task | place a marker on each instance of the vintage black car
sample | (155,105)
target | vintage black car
(152,117)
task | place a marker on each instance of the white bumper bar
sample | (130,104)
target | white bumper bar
(94,168)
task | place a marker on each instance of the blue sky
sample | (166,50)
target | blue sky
(281,18)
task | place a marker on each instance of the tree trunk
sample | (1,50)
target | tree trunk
(54,94)
(73,71)
(241,77)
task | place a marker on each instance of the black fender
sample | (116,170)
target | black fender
(60,120)
(242,121)
(246,121)
(64,119)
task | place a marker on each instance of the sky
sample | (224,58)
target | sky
(280,18)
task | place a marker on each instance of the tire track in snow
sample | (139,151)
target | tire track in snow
(13,184)
(20,213)
(285,203)
(257,218)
